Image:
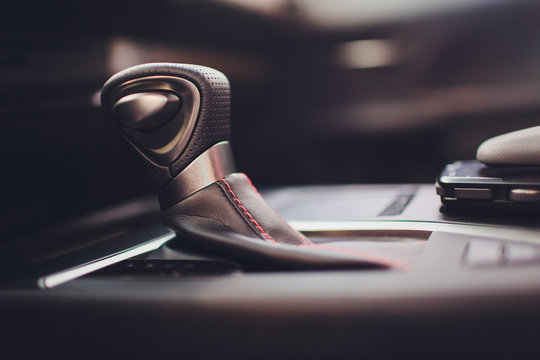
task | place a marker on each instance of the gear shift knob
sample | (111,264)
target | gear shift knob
(177,117)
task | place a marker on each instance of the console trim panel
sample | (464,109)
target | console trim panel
(343,227)
(61,277)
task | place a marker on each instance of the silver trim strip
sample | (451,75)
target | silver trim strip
(497,232)
(212,165)
(61,277)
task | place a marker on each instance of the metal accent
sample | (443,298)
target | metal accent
(524,195)
(164,144)
(473,193)
(312,228)
(61,277)
(147,110)
(212,165)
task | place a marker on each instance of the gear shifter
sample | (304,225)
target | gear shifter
(172,114)
(177,117)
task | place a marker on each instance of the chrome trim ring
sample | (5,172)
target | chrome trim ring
(164,145)
(209,167)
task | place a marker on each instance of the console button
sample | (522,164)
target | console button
(484,253)
(516,254)
(473,193)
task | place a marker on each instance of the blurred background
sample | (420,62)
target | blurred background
(384,91)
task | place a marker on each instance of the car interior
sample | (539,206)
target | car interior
(270,179)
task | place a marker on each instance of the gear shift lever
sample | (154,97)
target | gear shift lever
(172,114)
(177,117)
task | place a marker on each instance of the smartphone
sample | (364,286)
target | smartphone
(473,187)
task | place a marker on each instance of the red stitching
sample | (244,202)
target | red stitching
(302,238)
(247,213)
(330,247)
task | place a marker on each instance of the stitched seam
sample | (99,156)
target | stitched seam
(364,255)
(247,213)
(302,238)
(360,254)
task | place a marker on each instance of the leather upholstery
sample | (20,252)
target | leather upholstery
(231,219)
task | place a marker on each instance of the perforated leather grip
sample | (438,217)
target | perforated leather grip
(169,145)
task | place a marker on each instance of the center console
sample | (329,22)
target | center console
(217,268)
(452,281)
